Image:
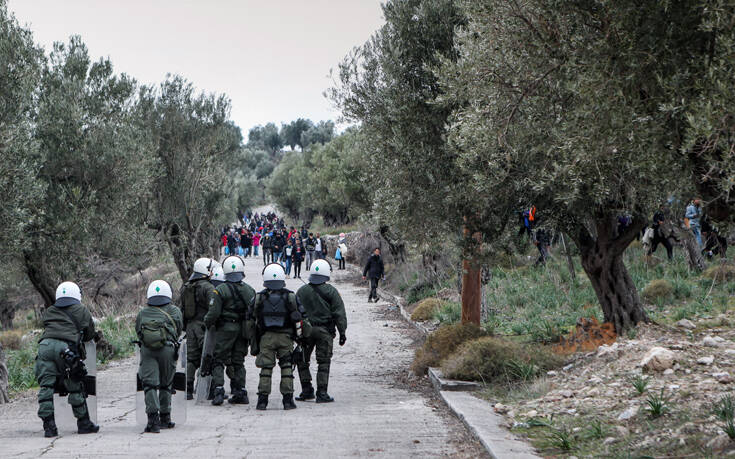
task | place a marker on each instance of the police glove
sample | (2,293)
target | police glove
(342,339)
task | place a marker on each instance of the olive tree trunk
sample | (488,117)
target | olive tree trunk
(38,274)
(471,284)
(602,260)
(4,378)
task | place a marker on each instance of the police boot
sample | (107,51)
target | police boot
(190,391)
(154,423)
(219,396)
(307,392)
(262,402)
(86,426)
(288,403)
(323,397)
(49,427)
(239,397)
(166,421)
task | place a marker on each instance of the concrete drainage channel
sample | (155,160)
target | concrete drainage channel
(475,413)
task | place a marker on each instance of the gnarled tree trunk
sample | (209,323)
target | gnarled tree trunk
(39,276)
(602,260)
(4,378)
(471,284)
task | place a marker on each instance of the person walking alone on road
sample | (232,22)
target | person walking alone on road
(374,270)
(310,245)
(267,243)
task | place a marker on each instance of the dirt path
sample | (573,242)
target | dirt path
(379,410)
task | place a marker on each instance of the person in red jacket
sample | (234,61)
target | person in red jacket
(256,243)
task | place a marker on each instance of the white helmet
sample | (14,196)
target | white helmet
(234,269)
(218,274)
(321,271)
(274,276)
(159,293)
(68,293)
(202,268)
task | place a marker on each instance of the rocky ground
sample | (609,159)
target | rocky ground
(380,410)
(591,407)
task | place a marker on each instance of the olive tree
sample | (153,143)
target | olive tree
(196,149)
(569,97)
(93,165)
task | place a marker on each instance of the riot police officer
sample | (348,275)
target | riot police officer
(279,321)
(158,326)
(326,311)
(228,308)
(195,295)
(67,324)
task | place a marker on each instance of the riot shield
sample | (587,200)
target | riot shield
(178,392)
(63,413)
(204,376)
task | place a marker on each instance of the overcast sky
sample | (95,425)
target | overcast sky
(271,57)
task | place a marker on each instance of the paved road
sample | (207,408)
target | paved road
(374,413)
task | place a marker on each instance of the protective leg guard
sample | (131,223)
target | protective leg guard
(166,423)
(154,423)
(262,402)
(86,426)
(49,427)
(219,396)
(240,397)
(307,392)
(323,397)
(190,391)
(288,403)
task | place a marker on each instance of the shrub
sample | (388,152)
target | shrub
(657,289)
(449,313)
(11,339)
(21,367)
(420,291)
(491,359)
(720,273)
(440,344)
(426,309)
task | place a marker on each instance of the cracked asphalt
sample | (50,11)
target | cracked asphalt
(379,410)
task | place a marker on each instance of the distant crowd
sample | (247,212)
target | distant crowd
(267,234)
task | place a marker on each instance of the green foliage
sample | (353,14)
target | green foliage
(426,309)
(658,289)
(561,438)
(321,133)
(724,409)
(596,430)
(266,138)
(449,313)
(118,333)
(191,203)
(326,180)
(21,369)
(495,360)
(95,169)
(441,343)
(292,133)
(720,273)
(640,383)
(657,405)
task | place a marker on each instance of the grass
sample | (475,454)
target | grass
(442,343)
(657,405)
(493,359)
(318,226)
(640,383)
(21,368)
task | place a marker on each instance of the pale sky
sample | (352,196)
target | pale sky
(271,57)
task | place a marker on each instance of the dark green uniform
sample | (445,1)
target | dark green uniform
(158,366)
(227,311)
(325,314)
(273,313)
(60,333)
(194,325)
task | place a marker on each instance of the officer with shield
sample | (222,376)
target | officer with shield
(228,307)
(67,325)
(195,295)
(158,326)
